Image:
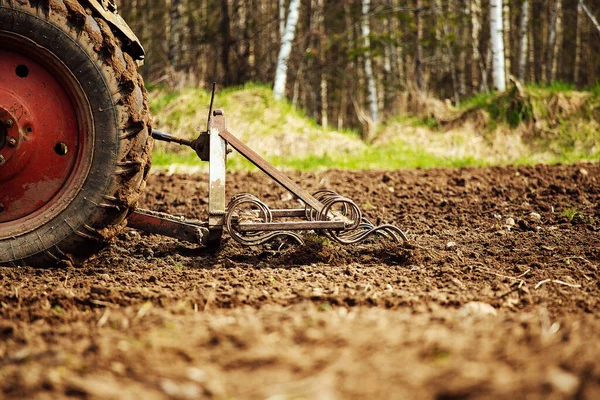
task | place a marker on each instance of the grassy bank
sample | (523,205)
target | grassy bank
(528,126)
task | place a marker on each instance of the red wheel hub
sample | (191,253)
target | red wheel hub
(40,139)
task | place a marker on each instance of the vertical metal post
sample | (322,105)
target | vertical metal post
(216,192)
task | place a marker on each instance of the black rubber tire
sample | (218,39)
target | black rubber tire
(121,131)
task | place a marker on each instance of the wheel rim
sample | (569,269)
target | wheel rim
(45,136)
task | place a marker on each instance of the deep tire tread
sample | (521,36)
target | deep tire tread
(131,104)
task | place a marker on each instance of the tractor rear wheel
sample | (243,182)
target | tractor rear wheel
(75,141)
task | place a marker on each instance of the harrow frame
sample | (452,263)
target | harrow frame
(248,220)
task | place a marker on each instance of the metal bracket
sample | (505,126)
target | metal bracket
(216,176)
(109,13)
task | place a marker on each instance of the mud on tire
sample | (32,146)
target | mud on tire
(119,142)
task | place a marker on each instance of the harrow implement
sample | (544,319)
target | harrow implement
(247,219)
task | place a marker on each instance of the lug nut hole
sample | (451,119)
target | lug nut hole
(22,71)
(61,149)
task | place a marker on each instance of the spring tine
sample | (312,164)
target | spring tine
(259,209)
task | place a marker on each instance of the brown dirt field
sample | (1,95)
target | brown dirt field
(150,317)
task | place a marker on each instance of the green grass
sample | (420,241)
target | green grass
(554,87)
(386,157)
(480,100)
(394,156)
(595,90)
(289,139)
(570,213)
(507,107)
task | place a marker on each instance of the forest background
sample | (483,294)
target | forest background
(441,47)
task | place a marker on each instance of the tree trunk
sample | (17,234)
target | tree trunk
(419,48)
(506,27)
(556,71)
(398,51)
(479,78)
(462,44)
(285,50)
(531,67)
(577,67)
(551,41)
(225,33)
(320,22)
(371,84)
(523,42)
(175,31)
(497,45)
(438,23)
(451,64)
(281,18)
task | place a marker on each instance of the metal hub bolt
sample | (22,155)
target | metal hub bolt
(2,160)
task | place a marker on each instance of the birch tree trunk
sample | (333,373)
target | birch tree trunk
(523,42)
(281,18)
(285,50)
(497,45)
(371,84)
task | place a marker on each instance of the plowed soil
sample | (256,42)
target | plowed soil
(496,296)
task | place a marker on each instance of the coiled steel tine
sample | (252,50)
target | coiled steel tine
(250,238)
(349,210)
(265,237)
(366,224)
(396,231)
(366,229)
(357,236)
(254,238)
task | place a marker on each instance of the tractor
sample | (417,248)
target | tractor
(76,142)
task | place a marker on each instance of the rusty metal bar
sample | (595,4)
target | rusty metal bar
(167,137)
(289,213)
(167,225)
(271,171)
(289,226)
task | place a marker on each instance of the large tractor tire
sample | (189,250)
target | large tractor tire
(75,137)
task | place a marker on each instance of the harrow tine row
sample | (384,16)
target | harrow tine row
(249,221)
(236,214)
